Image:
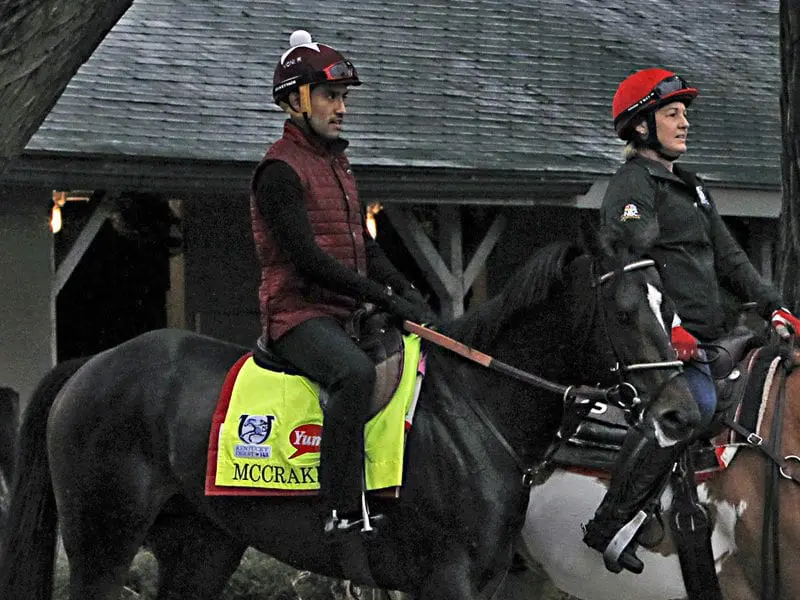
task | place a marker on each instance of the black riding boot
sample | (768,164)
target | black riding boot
(638,474)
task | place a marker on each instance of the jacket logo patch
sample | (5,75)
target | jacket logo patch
(629,213)
(701,195)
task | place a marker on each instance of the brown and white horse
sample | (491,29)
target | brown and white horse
(735,499)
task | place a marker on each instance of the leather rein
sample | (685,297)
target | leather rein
(578,400)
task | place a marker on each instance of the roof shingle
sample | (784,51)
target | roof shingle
(486,84)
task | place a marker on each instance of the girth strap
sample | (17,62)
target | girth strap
(691,527)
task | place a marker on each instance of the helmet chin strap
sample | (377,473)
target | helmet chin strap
(305,104)
(652,141)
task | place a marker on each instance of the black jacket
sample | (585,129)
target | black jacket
(672,218)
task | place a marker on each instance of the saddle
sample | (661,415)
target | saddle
(375,334)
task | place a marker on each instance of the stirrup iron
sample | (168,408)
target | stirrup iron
(623,538)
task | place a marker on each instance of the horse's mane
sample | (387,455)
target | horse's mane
(530,286)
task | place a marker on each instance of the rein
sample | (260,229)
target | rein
(581,399)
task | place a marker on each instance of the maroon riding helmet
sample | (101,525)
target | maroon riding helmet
(644,92)
(306,64)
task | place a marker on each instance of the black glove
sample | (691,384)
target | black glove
(403,309)
(415,297)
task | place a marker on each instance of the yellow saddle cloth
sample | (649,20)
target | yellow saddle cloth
(266,433)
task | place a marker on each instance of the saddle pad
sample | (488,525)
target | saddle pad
(266,432)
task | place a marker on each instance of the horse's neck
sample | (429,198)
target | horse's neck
(526,417)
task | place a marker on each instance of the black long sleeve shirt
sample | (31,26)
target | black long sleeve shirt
(279,198)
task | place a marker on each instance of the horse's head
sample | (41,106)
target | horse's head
(634,320)
(586,316)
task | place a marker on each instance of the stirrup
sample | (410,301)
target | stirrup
(615,556)
(343,524)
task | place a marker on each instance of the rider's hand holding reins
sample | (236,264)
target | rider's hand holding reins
(785,323)
(684,343)
(405,310)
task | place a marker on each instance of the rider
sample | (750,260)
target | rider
(318,260)
(667,212)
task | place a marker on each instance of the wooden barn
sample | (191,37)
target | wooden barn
(482,129)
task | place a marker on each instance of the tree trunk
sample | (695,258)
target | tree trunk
(788,267)
(42,45)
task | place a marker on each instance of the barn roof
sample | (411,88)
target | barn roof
(521,85)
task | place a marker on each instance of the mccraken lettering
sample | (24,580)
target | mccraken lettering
(275,474)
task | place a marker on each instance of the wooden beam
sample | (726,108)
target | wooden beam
(452,250)
(443,269)
(422,249)
(81,245)
(485,248)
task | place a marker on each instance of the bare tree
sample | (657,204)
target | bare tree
(788,268)
(42,45)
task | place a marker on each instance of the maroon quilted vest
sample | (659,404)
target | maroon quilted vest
(287,298)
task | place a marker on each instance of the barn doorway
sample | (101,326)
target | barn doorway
(118,288)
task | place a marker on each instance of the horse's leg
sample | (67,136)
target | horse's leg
(101,547)
(195,557)
(106,508)
(454,579)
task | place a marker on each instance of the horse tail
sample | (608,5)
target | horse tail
(9,419)
(28,550)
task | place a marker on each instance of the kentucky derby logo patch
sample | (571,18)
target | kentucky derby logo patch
(630,212)
(254,430)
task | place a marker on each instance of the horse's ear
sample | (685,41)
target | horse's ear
(602,242)
(590,237)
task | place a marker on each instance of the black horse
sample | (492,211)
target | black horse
(116,450)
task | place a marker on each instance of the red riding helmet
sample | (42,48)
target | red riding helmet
(307,63)
(647,90)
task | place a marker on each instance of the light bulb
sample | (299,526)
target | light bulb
(55,219)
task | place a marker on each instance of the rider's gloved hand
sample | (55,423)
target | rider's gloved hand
(684,343)
(785,323)
(409,292)
(403,309)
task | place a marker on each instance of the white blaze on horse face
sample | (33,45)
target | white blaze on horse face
(654,297)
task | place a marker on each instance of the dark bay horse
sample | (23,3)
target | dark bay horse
(115,450)
(736,499)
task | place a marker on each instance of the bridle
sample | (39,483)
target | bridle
(578,400)
(621,369)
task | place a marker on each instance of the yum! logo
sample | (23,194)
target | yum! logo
(305,439)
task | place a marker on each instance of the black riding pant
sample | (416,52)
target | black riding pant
(322,350)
